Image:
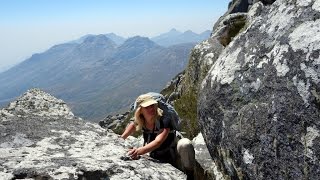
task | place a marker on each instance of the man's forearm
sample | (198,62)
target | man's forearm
(129,130)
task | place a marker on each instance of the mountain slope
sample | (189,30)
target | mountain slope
(61,64)
(97,77)
(115,38)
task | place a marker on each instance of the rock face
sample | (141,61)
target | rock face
(244,5)
(37,103)
(40,144)
(259,105)
(113,122)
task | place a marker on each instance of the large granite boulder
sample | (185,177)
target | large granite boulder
(37,142)
(182,91)
(259,105)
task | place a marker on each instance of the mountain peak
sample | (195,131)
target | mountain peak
(190,32)
(98,39)
(134,46)
(111,34)
(90,37)
(171,33)
(134,38)
(173,30)
(114,37)
(176,37)
(39,103)
(139,41)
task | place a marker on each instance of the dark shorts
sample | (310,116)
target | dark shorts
(166,156)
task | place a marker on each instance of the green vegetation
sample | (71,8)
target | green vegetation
(235,27)
(186,107)
(167,91)
(171,88)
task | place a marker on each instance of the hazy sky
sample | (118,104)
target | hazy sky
(33,26)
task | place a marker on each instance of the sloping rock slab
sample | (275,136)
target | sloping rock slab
(50,148)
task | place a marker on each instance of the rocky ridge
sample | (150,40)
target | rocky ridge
(41,139)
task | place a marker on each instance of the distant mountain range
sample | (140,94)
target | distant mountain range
(4,68)
(167,39)
(115,38)
(176,37)
(99,74)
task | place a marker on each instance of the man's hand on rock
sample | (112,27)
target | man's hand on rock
(134,153)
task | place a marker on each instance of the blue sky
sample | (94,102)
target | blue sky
(33,26)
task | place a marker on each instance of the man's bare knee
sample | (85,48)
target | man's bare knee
(186,151)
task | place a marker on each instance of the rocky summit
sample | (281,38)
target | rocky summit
(41,139)
(37,103)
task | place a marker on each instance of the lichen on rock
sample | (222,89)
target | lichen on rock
(259,103)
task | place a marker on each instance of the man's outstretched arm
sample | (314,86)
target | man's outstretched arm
(129,130)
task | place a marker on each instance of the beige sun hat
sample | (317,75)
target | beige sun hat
(145,100)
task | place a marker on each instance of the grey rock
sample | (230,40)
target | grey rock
(113,121)
(71,149)
(204,161)
(239,6)
(43,146)
(202,57)
(259,104)
(114,124)
(38,103)
(236,6)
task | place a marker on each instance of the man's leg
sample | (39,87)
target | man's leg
(187,156)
